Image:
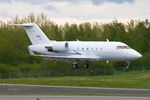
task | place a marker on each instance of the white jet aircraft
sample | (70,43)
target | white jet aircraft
(74,51)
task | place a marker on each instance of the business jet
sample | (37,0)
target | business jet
(74,51)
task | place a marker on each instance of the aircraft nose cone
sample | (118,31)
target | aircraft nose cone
(134,54)
(137,55)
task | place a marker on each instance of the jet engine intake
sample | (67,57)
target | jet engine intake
(58,47)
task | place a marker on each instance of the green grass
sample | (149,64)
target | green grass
(135,79)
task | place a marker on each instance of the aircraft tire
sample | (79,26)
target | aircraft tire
(86,65)
(75,66)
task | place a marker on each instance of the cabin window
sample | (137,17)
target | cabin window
(123,47)
(87,48)
(91,48)
(96,49)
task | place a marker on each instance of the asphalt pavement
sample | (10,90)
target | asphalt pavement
(21,89)
(29,97)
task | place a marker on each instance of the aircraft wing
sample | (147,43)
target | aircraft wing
(71,57)
(78,57)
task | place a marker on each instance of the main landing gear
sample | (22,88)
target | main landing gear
(86,65)
(75,65)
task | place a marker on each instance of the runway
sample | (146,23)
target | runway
(20,89)
(22,97)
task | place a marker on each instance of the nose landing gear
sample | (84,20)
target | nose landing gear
(128,65)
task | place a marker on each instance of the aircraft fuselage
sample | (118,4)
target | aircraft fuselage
(116,51)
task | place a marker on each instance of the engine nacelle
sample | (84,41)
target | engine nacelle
(58,47)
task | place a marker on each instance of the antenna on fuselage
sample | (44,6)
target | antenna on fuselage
(107,40)
(107,61)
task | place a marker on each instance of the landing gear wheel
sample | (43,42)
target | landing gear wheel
(75,66)
(86,65)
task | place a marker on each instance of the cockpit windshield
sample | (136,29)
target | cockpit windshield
(123,47)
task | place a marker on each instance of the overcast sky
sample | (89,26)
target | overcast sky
(76,11)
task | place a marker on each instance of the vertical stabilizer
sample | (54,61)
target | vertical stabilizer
(34,33)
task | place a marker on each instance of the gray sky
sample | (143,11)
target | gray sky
(76,11)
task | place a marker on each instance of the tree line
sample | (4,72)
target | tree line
(15,58)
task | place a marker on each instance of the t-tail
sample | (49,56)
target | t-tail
(34,33)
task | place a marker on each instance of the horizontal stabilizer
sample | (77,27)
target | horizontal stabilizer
(26,24)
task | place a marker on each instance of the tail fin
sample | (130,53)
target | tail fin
(34,33)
